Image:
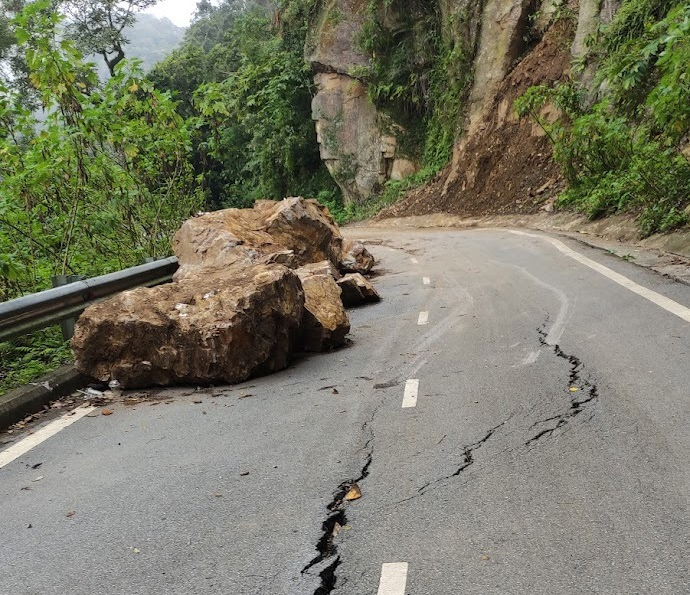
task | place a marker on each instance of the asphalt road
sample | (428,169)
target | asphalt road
(547,450)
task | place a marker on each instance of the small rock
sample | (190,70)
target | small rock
(357,290)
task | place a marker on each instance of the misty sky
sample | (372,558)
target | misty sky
(178,11)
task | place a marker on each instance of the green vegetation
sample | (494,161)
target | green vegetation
(627,151)
(98,174)
(244,74)
(392,191)
(419,74)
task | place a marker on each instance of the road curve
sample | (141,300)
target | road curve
(515,414)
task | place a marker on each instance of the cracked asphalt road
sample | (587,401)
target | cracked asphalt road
(547,452)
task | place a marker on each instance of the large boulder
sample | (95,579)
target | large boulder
(307,228)
(325,321)
(355,258)
(224,324)
(293,232)
(356,290)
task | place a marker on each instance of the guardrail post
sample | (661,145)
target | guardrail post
(66,325)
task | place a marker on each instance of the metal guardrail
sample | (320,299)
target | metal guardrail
(52,306)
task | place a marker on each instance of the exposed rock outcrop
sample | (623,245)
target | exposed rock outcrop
(221,325)
(357,143)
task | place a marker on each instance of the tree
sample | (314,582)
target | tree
(98,26)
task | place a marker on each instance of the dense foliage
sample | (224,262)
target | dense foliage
(98,174)
(241,68)
(419,73)
(94,176)
(627,150)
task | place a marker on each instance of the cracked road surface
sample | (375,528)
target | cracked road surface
(545,449)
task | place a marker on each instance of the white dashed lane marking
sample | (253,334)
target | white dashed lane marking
(411,390)
(393,579)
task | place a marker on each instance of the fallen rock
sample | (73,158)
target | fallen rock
(357,290)
(293,232)
(307,228)
(325,321)
(325,267)
(355,258)
(222,325)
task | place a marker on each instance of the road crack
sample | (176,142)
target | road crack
(336,519)
(580,390)
(467,459)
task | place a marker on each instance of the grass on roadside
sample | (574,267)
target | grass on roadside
(393,190)
(24,359)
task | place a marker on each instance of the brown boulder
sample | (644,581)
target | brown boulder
(355,258)
(222,325)
(357,290)
(325,321)
(294,232)
(325,267)
(307,228)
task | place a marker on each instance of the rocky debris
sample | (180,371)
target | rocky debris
(356,258)
(293,232)
(221,325)
(325,322)
(356,290)
(254,286)
(325,267)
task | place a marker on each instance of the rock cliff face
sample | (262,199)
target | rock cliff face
(357,143)
(509,45)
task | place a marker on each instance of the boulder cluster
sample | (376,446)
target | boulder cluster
(254,286)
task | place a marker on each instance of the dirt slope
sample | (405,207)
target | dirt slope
(507,167)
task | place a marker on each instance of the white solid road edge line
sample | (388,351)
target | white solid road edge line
(26,444)
(423,318)
(414,261)
(656,298)
(411,390)
(426,280)
(393,579)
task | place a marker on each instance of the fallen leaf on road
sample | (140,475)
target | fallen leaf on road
(244,473)
(70,514)
(39,478)
(36,465)
(485,558)
(354,493)
(197,402)
(217,495)
(29,526)
(335,391)
(574,389)
(107,412)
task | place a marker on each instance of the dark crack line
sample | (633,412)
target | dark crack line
(467,460)
(586,393)
(337,518)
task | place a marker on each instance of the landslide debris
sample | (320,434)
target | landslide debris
(254,287)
